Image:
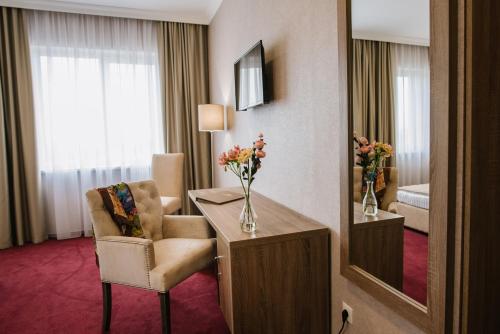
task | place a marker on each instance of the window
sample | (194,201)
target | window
(96,112)
(412,113)
(98,115)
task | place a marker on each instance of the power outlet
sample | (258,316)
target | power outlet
(349,310)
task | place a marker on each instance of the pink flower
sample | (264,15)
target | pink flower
(222,159)
(259,144)
(363,141)
(237,149)
(260,154)
(232,154)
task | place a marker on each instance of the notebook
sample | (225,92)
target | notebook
(219,197)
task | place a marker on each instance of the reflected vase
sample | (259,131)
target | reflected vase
(370,201)
(248,217)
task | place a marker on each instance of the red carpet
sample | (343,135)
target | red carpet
(415,265)
(54,287)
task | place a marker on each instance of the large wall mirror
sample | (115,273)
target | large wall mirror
(392,239)
(391,123)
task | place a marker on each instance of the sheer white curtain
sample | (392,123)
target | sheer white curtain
(412,110)
(98,108)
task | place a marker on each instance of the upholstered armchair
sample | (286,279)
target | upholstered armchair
(166,170)
(391,187)
(174,248)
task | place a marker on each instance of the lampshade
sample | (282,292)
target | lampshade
(211,117)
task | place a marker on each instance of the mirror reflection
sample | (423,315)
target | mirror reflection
(391,109)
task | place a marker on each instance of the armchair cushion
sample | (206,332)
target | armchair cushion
(126,260)
(177,258)
(170,204)
(193,227)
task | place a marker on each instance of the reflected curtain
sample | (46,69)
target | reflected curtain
(412,103)
(184,74)
(373,99)
(21,219)
(98,109)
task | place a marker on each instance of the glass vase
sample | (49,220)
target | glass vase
(370,201)
(248,217)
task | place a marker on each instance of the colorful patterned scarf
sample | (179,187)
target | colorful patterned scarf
(120,204)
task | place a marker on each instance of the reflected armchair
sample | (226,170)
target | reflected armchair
(174,248)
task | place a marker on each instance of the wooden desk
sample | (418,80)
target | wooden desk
(277,280)
(377,245)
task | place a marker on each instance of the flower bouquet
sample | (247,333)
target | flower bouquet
(245,163)
(371,158)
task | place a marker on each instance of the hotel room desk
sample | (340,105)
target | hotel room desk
(277,280)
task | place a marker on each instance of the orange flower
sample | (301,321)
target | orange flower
(260,154)
(365,149)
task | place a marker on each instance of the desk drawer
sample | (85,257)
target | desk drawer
(224,277)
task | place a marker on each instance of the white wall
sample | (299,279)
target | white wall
(301,124)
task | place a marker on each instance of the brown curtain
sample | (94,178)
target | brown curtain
(373,91)
(20,197)
(184,74)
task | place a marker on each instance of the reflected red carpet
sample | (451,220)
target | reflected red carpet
(415,265)
(54,287)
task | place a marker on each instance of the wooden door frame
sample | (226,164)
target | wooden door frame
(447,160)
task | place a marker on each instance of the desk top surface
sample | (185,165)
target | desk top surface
(381,217)
(274,220)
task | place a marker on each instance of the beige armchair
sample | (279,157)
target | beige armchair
(166,170)
(391,187)
(175,247)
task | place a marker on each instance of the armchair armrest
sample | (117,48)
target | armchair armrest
(125,260)
(192,227)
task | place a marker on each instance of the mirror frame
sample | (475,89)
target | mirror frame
(446,175)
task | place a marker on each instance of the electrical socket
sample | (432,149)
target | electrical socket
(349,310)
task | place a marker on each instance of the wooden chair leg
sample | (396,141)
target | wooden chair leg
(106,306)
(165,311)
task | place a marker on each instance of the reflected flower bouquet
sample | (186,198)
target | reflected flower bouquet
(371,156)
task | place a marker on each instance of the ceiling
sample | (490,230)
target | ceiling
(189,11)
(399,21)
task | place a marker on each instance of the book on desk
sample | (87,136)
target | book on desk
(219,197)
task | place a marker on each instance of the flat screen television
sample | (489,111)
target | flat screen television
(249,78)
